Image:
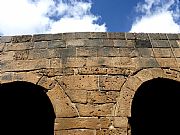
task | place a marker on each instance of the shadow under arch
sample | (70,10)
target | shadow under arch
(25,109)
(155,108)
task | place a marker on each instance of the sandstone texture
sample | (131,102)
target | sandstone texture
(90,78)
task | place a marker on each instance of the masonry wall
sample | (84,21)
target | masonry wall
(91,78)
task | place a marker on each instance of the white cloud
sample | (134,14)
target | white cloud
(157,16)
(47,16)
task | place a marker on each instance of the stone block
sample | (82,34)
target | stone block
(154,36)
(100,97)
(116,35)
(120,122)
(21,55)
(143,43)
(121,62)
(77,96)
(5,39)
(42,37)
(7,56)
(23,38)
(145,52)
(58,36)
(76,132)
(128,52)
(86,51)
(24,65)
(92,71)
(176,52)
(147,62)
(63,106)
(18,46)
(79,82)
(111,83)
(67,36)
(99,35)
(120,71)
(56,44)
(75,42)
(162,52)
(167,62)
(160,44)
(75,123)
(99,43)
(114,131)
(172,36)
(56,63)
(141,36)
(89,110)
(73,62)
(174,43)
(124,43)
(2,46)
(41,45)
(108,52)
(82,35)
(38,54)
(130,36)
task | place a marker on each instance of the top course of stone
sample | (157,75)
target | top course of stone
(89,35)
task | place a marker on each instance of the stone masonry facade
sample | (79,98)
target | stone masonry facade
(90,78)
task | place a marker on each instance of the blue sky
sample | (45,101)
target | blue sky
(117,14)
(57,16)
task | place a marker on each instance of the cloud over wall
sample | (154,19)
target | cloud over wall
(47,16)
(157,16)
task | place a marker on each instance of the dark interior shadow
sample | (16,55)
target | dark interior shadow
(25,109)
(156,108)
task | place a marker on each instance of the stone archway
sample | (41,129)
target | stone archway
(156,108)
(25,109)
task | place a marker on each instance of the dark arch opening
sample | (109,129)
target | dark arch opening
(156,108)
(25,109)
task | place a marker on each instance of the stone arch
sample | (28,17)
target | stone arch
(25,109)
(124,101)
(155,108)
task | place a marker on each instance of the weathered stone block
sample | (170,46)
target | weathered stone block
(160,44)
(143,43)
(130,36)
(63,106)
(114,131)
(141,36)
(145,52)
(23,38)
(99,35)
(5,39)
(76,132)
(120,122)
(82,35)
(95,110)
(77,96)
(108,52)
(79,82)
(99,43)
(176,52)
(172,36)
(21,55)
(167,62)
(128,52)
(42,37)
(75,42)
(162,52)
(116,35)
(98,97)
(7,56)
(38,54)
(174,43)
(92,71)
(75,123)
(147,62)
(120,71)
(86,51)
(41,45)
(124,43)
(18,46)
(56,44)
(111,82)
